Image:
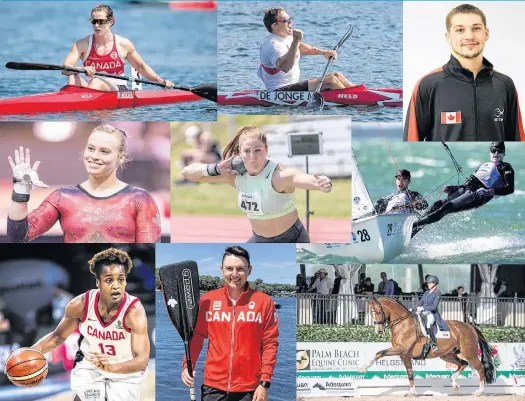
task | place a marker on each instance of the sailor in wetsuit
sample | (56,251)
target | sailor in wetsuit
(402,201)
(491,178)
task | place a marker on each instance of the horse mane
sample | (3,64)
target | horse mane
(394,300)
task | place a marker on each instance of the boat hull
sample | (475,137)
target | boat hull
(183,5)
(375,239)
(356,96)
(73,98)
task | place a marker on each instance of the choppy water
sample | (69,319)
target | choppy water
(372,55)
(179,46)
(494,233)
(170,353)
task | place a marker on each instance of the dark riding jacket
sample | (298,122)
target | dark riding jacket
(430,302)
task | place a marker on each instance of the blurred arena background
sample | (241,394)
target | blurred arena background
(35,287)
(59,146)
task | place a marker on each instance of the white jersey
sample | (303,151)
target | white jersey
(399,203)
(272,48)
(489,175)
(113,338)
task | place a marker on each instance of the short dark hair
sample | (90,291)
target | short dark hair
(464,9)
(270,17)
(238,251)
(111,256)
(383,273)
(460,287)
(403,173)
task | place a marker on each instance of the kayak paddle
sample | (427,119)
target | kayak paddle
(317,101)
(180,286)
(206,91)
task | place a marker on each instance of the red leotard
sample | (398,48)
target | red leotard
(130,215)
(110,63)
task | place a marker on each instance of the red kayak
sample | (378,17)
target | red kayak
(193,5)
(73,98)
(355,96)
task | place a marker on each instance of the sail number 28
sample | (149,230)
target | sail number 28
(364,235)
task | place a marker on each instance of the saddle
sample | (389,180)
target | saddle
(438,333)
(435,328)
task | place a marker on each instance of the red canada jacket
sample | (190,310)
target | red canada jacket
(242,339)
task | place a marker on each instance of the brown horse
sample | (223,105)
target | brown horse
(460,349)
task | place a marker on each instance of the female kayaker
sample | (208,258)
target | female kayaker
(106,52)
(101,209)
(265,189)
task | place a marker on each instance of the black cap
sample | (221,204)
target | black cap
(500,145)
(403,173)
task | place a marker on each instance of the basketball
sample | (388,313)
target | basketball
(26,367)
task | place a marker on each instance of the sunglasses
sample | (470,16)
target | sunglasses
(99,21)
(400,177)
(285,20)
(496,150)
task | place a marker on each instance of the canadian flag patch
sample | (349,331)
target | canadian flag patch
(451,117)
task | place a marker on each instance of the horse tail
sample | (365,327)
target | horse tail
(487,358)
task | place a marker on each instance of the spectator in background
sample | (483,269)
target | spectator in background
(205,149)
(59,302)
(300,283)
(368,286)
(337,283)
(463,298)
(313,280)
(359,285)
(501,288)
(386,286)
(323,286)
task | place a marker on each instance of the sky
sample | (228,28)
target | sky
(273,263)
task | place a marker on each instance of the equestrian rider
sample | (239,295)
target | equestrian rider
(428,306)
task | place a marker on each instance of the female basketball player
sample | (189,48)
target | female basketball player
(266,189)
(101,209)
(114,345)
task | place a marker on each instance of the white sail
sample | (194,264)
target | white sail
(361,203)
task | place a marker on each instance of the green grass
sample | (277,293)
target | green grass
(221,199)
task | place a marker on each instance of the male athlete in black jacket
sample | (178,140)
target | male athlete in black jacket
(465,100)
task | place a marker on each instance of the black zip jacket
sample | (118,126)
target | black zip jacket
(450,105)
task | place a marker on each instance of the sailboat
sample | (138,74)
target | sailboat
(376,238)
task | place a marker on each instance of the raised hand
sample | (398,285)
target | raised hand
(23,175)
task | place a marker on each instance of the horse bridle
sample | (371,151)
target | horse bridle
(384,321)
(372,303)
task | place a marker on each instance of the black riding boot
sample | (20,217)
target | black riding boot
(433,345)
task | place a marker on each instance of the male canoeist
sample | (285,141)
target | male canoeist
(105,52)
(493,178)
(280,53)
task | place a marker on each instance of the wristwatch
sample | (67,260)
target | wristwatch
(265,384)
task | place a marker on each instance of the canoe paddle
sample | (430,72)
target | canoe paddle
(206,91)
(317,101)
(180,286)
